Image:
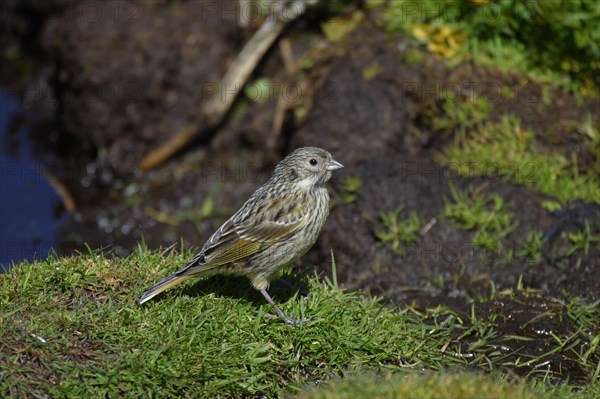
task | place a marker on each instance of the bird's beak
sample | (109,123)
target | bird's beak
(333,165)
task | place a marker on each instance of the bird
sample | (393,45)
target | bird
(278,224)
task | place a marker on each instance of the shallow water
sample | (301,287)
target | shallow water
(28,204)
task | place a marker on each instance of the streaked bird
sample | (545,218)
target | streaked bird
(278,224)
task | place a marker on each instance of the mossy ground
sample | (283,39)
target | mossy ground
(72,327)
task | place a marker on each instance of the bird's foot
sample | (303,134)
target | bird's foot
(279,312)
(287,319)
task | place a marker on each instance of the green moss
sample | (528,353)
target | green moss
(487,216)
(336,28)
(462,115)
(262,90)
(532,247)
(399,232)
(425,385)
(72,327)
(351,186)
(581,240)
(413,56)
(506,149)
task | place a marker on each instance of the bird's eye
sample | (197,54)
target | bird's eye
(313,162)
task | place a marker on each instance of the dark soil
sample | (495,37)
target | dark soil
(125,84)
(374,126)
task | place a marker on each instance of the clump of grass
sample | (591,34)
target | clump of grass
(582,239)
(351,186)
(532,247)
(462,114)
(400,232)
(487,216)
(591,134)
(508,150)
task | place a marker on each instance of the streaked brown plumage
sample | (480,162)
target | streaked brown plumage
(279,223)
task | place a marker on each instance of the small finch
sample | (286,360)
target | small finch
(278,224)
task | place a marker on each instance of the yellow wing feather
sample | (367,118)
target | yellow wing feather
(242,239)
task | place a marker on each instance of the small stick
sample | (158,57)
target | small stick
(216,108)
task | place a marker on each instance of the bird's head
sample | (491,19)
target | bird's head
(308,167)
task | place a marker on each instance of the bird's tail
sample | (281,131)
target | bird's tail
(162,285)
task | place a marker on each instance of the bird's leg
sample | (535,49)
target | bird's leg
(279,312)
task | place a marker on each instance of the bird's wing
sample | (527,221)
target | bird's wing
(248,233)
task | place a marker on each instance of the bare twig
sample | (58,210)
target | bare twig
(214,111)
(159,155)
(428,226)
(287,56)
(62,190)
(291,66)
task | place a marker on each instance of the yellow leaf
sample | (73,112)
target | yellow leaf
(372,71)
(420,31)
